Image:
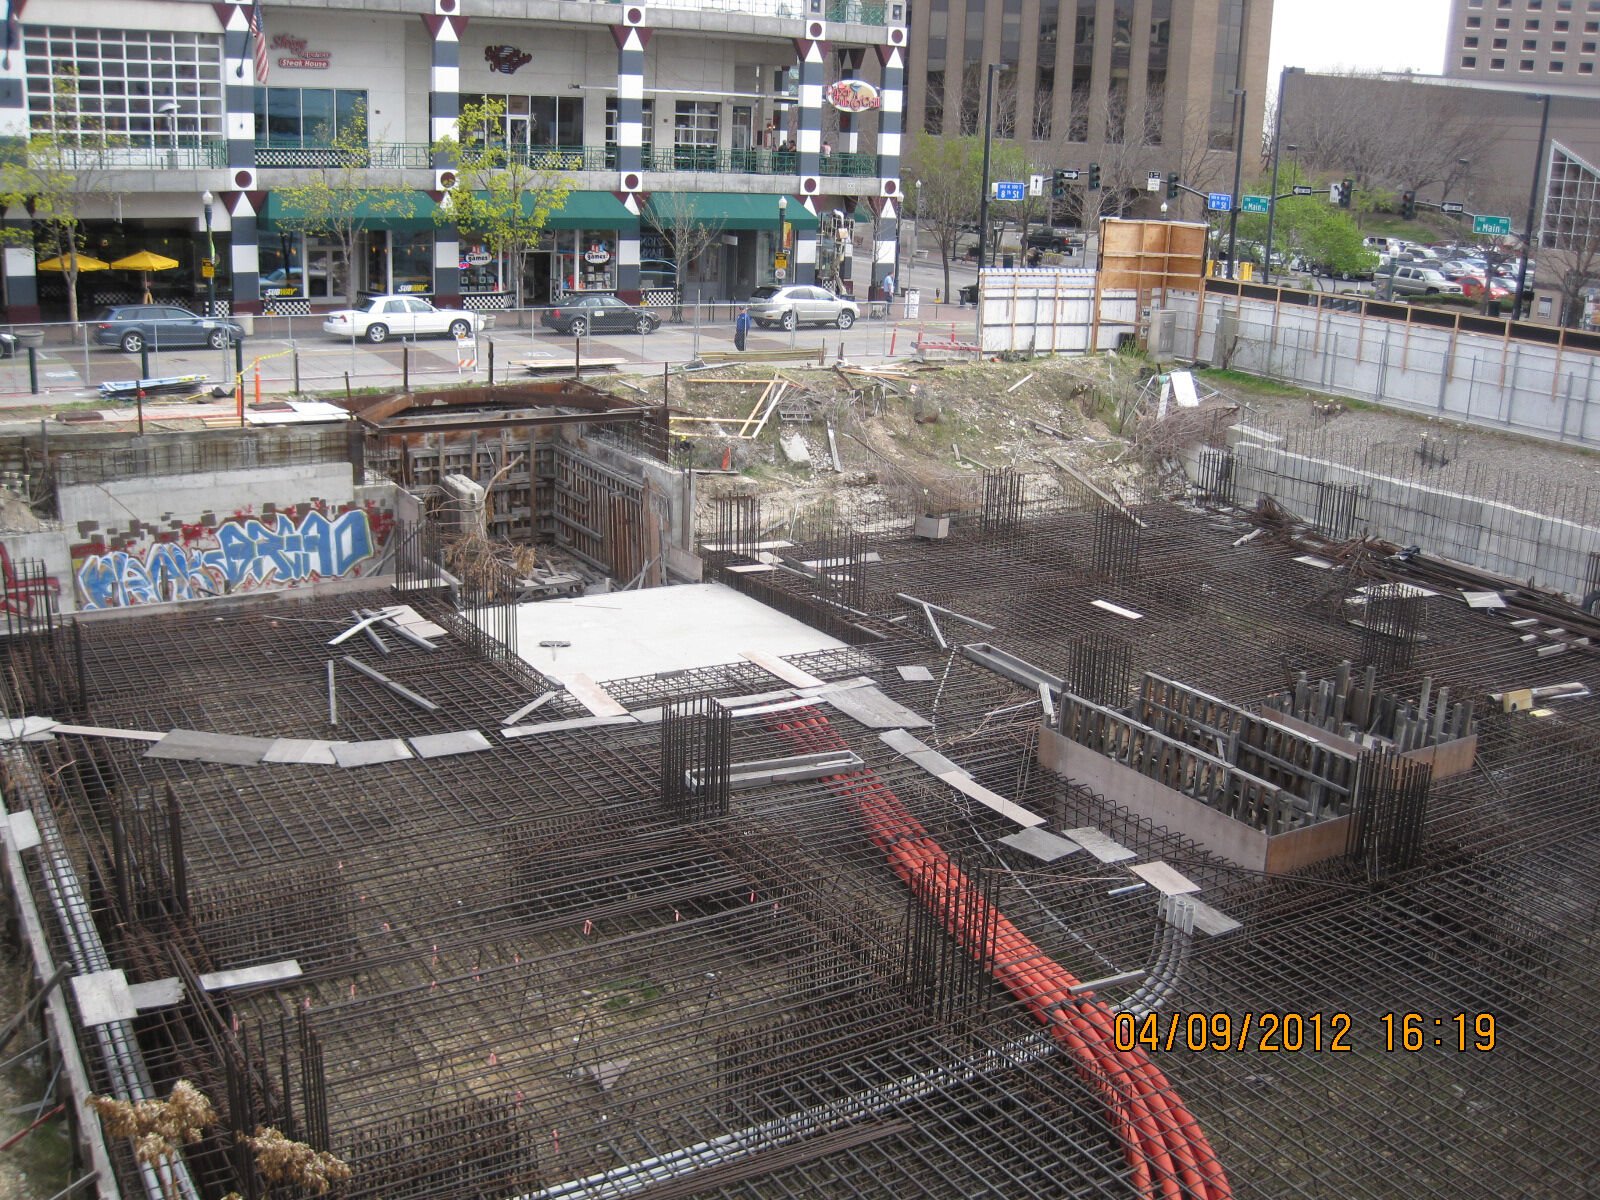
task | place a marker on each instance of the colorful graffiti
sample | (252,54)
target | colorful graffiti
(239,555)
(22,594)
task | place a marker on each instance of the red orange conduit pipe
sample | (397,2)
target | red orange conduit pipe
(1166,1149)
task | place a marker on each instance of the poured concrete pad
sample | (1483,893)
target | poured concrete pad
(623,634)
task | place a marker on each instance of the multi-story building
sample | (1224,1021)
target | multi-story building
(1086,79)
(744,110)
(1528,42)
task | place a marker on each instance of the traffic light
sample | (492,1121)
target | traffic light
(1347,191)
(1058,185)
(1094,177)
(1408,205)
(1172,185)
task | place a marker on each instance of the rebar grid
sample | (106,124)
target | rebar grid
(460,920)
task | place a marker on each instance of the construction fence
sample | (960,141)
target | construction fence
(1523,378)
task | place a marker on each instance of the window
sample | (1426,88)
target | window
(532,122)
(1556,67)
(1502,23)
(124,78)
(647,131)
(1530,43)
(1558,47)
(695,125)
(1474,22)
(1585,68)
(1588,47)
(1497,64)
(1472,43)
(1499,44)
(1469,60)
(1531,24)
(291,118)
(1563,26)
(1526,65)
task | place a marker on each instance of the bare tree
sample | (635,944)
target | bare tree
(687,230)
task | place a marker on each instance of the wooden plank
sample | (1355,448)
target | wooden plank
(787,672)
(594,697)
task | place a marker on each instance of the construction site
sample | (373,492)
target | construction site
(1011,835)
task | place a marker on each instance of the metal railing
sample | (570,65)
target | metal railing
(706,160)
(189,155)
(856,12)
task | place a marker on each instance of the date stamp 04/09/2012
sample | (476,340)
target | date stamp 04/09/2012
(1317,1032)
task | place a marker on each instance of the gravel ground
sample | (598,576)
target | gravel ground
(37,1167)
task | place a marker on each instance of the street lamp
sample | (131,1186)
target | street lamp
(1277,138)
(783,236)
(1533,204)
(1238,174)
(988,137)
(170,111)
(916,215)
(211,257)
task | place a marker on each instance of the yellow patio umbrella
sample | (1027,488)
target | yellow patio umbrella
(145,261)
(86,262)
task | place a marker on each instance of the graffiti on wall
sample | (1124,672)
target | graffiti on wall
(242,554)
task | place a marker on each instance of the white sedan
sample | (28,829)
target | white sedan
(405,316)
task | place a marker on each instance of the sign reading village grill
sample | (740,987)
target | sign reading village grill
(299,58)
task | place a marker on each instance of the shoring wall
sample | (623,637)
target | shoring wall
(1052,310)
(1456,366)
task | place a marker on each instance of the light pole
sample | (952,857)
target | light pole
(916,215)
(1533,206)
(1277,139)
(211,258)
(783,238)
(170,111)
(1238,174)
(988,137)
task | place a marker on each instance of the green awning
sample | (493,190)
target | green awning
(592,210)
(412,212)
(401,210)
(729,210)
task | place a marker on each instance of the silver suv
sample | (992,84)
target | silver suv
(1423,281)
(794,304)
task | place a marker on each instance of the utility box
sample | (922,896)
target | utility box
(933,528)
(1162,340)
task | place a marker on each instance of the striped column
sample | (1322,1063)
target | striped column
(811,51)
(445,27)
(631,37)
(22,285)
(891,103)
(240,197)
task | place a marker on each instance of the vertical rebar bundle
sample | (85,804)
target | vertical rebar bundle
(952,981)
(738,525)
(1337,509)
(1116,544)
(1392,625)
(1216,475)
(696,741)
(1100,669)
(1002,501)
(1390,811)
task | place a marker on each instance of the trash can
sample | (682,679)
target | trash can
(29,337)
(1008,262)
(969,295)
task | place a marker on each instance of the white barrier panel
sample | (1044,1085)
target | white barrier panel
(1051,310)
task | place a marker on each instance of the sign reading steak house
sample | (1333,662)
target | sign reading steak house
(300,58)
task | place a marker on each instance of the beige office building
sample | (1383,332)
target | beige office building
(1528,41)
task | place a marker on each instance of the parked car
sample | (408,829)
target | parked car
(584,314)
(161,327)
(404,315)
(1499,289)
(8,344)
(1422,281)
(1457,268)
(794,304)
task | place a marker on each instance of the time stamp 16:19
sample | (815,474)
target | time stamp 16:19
(1336,1032)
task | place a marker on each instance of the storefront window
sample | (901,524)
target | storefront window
(413,261)
(296,117)
(481,269)
(531,121)
(587,261)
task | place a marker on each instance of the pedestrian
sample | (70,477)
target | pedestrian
(827,149)
(888,288)
(741,327)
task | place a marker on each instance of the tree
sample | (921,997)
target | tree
(686,230)
(951,171)
(336,203)
(1307,227)
(498,196)
(62,168)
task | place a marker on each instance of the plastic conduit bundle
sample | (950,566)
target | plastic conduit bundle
(1166,1149)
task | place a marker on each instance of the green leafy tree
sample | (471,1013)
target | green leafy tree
(336,202)
(951,172)
(501,196)
(1307,227)
(55,174)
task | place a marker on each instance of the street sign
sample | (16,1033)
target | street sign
(1304,189)
(207,270)
(779,274)
(1500,226)
(780,261)
(1152,181)
(1009,191)
(1070,173)
(1454,207)
(1256,204)
(1219,201)
(1036,185)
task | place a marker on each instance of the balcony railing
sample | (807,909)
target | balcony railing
(860,12)
(189,155)
(704,160)
(711,160)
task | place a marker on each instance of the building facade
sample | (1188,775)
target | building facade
(1530,42)
(775,123)
(1089,78)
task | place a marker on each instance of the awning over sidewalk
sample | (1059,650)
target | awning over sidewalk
(592,210)
(726,210)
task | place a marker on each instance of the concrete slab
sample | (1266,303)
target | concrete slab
(158,993)
(915,674)
(873,709)
(442,745)
(272,972)
(366,754)
(24,830)
(301,750)
(623,634)
(103,997)
(193,745)
(1165,879)
(1212,921)
(970,787)
(1041,844)
(1098,844)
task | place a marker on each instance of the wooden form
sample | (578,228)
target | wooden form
(762,410)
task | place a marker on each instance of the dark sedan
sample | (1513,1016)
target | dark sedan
(135,327)
(580,315)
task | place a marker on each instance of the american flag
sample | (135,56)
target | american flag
(258,31)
